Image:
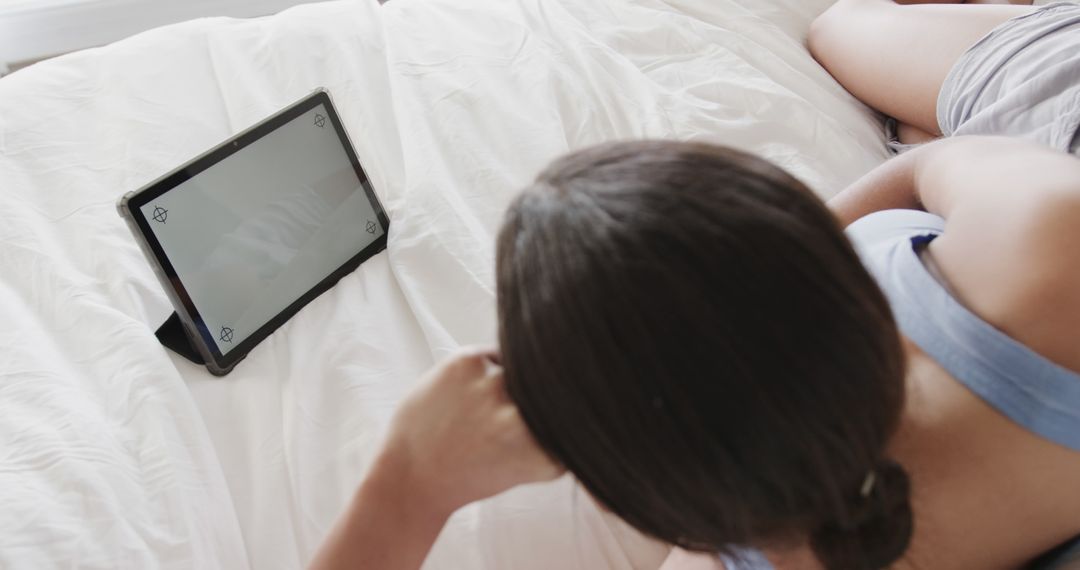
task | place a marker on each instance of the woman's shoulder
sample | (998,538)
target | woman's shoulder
(1018,270)
(1010,229)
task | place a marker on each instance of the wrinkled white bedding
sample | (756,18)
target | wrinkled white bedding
(116,453)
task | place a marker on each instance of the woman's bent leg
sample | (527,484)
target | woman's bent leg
(895,57)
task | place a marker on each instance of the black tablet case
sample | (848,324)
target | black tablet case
(171,334)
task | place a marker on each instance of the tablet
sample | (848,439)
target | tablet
(245,235)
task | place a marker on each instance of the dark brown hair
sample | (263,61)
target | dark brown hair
(687,329)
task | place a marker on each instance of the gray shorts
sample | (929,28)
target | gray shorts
(1022,80)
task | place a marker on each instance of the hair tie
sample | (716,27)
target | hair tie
(868,484)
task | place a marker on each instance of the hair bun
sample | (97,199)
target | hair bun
(876,529)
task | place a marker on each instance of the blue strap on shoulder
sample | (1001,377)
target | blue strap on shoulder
(1028,388)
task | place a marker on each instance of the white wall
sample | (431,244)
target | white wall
(36,29)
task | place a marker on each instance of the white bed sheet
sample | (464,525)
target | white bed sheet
(117,453)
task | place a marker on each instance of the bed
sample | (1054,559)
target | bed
(116,453)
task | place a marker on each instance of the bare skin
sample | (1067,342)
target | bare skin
(894,56)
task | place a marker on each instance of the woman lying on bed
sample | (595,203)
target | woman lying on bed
(688,331)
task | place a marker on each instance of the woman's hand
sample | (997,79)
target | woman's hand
(459,439)
(455,440)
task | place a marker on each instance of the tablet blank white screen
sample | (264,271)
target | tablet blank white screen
(251,234)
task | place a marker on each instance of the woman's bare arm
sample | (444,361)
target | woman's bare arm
(889,186)
(457,439)
(387,525)
(1002,175)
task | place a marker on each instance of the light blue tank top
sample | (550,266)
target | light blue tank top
(1029,389)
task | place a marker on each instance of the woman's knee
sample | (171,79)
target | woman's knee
(828,34)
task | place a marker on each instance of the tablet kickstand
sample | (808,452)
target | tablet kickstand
(171,334)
